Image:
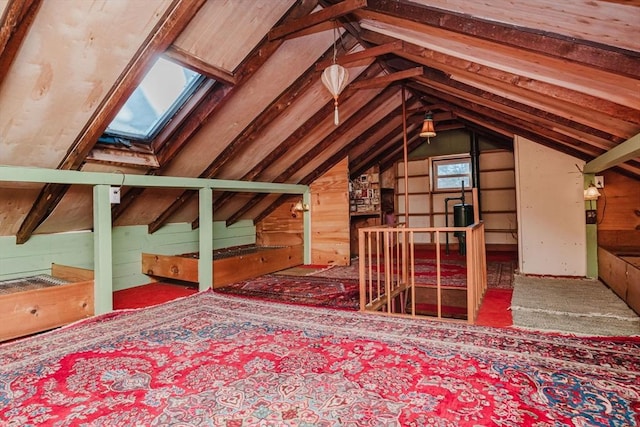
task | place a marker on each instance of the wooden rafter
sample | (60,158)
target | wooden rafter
(14,26)
(583,108)
(486,116)
(588,53)
(388,79)
(326,14)
(324,144)
(332,161)
(304,129)
(169,26)
(373,52)
(246,137)
(186,59)
(213,102)
(529,117)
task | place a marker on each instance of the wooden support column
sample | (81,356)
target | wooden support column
(591,234)
(205,263)
(306,218)
(102,250)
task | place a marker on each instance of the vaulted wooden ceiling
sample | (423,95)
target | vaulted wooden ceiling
(563,74)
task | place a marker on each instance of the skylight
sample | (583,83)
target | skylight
(160,94)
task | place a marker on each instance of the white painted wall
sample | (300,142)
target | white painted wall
(551,218)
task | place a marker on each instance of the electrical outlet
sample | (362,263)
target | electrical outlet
(114,195)
(599,181)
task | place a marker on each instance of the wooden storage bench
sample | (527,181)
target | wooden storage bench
(39,303)
(619,268)
(229,265)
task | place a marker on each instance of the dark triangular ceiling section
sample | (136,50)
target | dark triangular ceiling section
(563,75)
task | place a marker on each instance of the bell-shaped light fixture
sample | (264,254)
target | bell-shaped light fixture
(428,130)
(591,193)
(335,78)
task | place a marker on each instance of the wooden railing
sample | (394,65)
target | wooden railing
(388,275)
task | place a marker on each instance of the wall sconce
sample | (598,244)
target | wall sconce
(298,207)
(591,193)
(428,130)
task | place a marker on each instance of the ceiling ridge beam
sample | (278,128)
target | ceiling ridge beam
(175,18)
(535,66)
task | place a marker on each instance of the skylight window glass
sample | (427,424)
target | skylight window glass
(160,94)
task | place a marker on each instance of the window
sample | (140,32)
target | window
(159,96)
(451,173)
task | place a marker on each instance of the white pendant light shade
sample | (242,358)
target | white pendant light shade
(335,78)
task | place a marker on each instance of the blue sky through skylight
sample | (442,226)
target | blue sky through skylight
(163,90)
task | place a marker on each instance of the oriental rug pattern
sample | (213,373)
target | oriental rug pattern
(453,272)
(317,291)
(217,360)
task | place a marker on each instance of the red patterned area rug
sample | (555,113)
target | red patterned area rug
(217,360)
(316,291)
(453,272)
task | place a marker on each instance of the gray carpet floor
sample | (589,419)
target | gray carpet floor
(575,306)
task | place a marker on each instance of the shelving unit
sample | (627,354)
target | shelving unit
(364,204)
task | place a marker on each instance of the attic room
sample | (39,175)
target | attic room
(293,140)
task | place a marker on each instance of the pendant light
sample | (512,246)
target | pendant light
(428,130)
(335,78)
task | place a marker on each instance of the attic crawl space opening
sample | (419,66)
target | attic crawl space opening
(163,92)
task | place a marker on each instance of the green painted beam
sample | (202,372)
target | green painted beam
(205,262)
(102,250)
(55,176)
(618,154)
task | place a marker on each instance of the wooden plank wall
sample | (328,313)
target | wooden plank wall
(281,227)
(619,211)
(330,244)
(329,220)
(76,249)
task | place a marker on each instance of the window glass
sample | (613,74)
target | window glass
(450,174)
(160,94)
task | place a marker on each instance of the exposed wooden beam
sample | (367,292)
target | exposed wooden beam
(326,14)
(322,145)
(299,133)
(186,59)
(621,153)
(529,65)
(245,138)
(582,108)
(361,55)
(386,80)
(14,26)
(356,142)
(169,26)
(573,49)
(218,98)
(514,123)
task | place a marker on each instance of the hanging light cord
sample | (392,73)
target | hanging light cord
(335,27)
